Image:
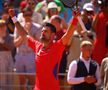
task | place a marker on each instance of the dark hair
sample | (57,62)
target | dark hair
(27,11)
(52,27)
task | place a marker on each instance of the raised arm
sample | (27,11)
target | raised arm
(20,29)
(72,26)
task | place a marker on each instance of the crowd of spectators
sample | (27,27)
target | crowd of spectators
(17,60)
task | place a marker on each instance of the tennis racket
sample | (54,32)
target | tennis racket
(73,4)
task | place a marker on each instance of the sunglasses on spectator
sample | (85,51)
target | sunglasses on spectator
(53,9)
(90,12)
(27,14)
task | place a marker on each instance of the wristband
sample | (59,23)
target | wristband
(74,21)
(14,19)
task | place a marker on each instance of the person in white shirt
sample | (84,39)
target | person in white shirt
(84,73)
(25,57)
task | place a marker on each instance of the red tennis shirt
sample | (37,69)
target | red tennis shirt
(47,64)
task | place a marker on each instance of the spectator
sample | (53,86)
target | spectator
(88,14)
(31,4)
(100,27)
(41,7)
(48,59)
(20,15)
(104,73)
(6,60)
(9,23)
(37,17)
(10,27)
(87,17)
(84,73)
(52,9)
(6,7)
(23,5)
(25,57)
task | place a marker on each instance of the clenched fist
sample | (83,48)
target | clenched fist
(11,12)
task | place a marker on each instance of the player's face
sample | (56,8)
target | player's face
(46,35)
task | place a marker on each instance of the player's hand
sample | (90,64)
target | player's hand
(11,12)
(74,20)
(76,13)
